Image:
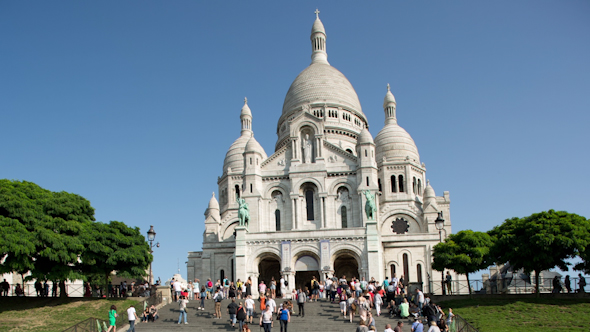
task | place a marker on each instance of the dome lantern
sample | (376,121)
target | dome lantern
(318,41)
(246,118)
(389,105)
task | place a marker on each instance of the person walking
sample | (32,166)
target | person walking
(113,319)
(217,298)
(301,298)
(266,320)
(241,315)
(232,310)
(203,297)
(285,317)
(250,306)
(182,302)
(131,317)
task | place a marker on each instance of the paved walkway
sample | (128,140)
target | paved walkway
(319,316)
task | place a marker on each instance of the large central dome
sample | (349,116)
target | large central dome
(321,83)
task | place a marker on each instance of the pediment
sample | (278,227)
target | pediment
(280,160)
(431,208)
(336,154)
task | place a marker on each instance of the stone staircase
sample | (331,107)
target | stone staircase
(319,316)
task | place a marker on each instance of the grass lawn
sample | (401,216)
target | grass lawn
(523,314)
(54,314)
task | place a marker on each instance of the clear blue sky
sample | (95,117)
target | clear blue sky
(133,104)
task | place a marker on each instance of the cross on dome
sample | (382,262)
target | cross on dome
(388,89)
(245,100)
(317,13)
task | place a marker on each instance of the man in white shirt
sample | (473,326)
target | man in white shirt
(394,281)
(270,303)
(249,308)
(177,290)
(283,287)
(132,316)
(420,298)
(388,328)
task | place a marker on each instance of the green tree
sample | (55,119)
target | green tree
(114,247)
(464,252)
(48,225)
(540,241)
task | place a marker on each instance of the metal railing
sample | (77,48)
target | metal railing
(504,286)
(89,325)
(461,325)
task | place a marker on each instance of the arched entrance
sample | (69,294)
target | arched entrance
(306,267)
(346,264)
(269,267)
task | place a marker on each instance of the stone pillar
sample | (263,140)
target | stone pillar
(294,213)
(290,278)
(254,288)
(374,251)
(240,255)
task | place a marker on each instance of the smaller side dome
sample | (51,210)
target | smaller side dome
(245,108)
(389,98)
(429,191)
(254,146)
(365,137)
(318,26)
(213,204)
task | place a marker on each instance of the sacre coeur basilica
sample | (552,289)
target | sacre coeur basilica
(330,201)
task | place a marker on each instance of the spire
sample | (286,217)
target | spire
(318,41)
(389,107)
(246,119)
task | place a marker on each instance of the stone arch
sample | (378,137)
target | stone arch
(299,250)
(303,277)
(275,186)
(260,254)
(345,261)
(389,272)
(297,185)
(340,183)
(228,229)
(296,130)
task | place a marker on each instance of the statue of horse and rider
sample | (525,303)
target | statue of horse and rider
(243,212)
(370,207)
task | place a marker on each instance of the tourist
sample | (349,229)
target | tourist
(18,290)
(112,319)
(556,285)
(153,314)
(182,302)
(271,304)
(232,290)
(449,282)
(217,298)
(442,325)
(248,287)
(250,306)
(363,307)
(196,289)
(5,286)
(145,315)
(351,305)
(582,283)
(177,290)
(388,328)
(203,297)
(433,327)
(262,287)
(232,310)
(371,321)
(241,315)
(378,301)
(402,285)
(283,285)
(362,327)
(568,284)
(273,287)
(417,326)
(315,289)
(399,326)
(225,288)
(245,328)
(131,317)
(209,288)
(239,288)
(189,290)
(450,317)
(404,309)
(343,304)
(301,298)
(284,317)
(266,319)
(420,298)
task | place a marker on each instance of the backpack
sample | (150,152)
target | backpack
(316,285)
(286,283)
(209,284)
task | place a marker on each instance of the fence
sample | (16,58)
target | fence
(461,325)
(52,290)
(512,285)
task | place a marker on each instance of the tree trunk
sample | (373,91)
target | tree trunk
(62,289)
(537,283)
(468,284)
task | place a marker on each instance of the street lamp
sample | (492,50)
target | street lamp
(151,237)
(440,224)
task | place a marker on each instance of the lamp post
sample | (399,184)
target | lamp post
(440,224)
(151,237)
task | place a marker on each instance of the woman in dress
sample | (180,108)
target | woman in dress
(248,287)
(232,290)
(113,319)
(273,287)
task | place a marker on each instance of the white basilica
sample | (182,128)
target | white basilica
(306,201)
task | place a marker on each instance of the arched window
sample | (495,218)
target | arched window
(237,191)
(379,184)
(349,151)
(309,204)
(393,185)
(392,268)
(233,273)
(406,268)
(414,185)
(419,272)
(419,187)
(344,217)
(221,275)
(278,219)
(250,188)
(250,161)
(366,153)
(367,181)
(401,183)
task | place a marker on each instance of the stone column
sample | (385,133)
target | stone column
(241,257)
(294,213)
(254,286)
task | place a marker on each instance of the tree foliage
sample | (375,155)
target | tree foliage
(464,252)
(540,241)
(54,235)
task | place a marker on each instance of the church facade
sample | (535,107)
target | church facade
(301,212)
